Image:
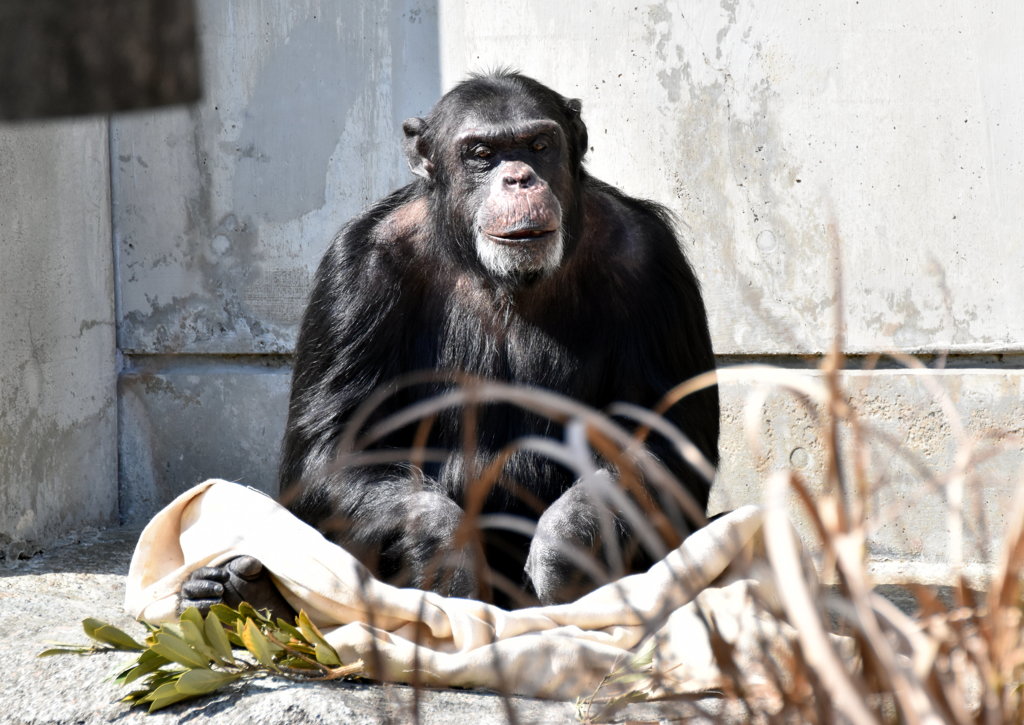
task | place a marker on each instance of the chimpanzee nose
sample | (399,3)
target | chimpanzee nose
(517,173)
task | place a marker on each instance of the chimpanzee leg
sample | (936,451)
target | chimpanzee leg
(583,542)
(397,522)
(568,555)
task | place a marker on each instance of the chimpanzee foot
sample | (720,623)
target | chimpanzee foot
(242,579)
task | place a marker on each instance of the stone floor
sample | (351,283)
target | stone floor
(44,599)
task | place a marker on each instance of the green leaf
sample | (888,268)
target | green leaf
(175,649)
(226,614)
(234,638)
(163,696)
(90,625)
(192,615)
(141,669)
(135,697)
(196,639)
(309,629)
(202,682)
(172,627)
(297,663)
(246,610)
(109,634)
(68,649)
(162,677)
(257,643)
(291,630)
(326,655)
(218,638)
(149,656)
(135,673)
(302,648)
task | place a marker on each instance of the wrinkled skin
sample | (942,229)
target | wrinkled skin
(242,579)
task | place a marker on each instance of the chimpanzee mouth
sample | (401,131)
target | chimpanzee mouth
(519,235)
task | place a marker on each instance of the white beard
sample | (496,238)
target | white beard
(515,258)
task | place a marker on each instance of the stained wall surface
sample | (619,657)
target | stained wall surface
(793,140)
(58,369)
(796,140)
(221,212)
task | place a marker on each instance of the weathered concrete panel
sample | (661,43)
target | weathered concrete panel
(763,123)
(58,426)
(182,425)
(199,420)
(918,428)
(222,212)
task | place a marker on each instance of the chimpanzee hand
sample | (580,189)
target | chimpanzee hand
(426,547)
(566,557)
(242,579)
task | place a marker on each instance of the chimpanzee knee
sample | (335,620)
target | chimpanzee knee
(567,558)
(428,546)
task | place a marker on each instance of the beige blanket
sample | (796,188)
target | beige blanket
(656,622)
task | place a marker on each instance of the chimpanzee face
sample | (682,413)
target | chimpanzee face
(513,173)
(502,166)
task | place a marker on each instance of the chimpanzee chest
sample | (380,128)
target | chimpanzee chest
(518,353)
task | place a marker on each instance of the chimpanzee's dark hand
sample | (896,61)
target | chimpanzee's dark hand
(566,558)
(242,579)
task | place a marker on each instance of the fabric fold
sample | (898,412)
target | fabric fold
(658,618)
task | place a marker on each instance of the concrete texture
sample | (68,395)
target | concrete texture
(58,422)
(935,441)
(783,135)
(222,211)
(44,600)
(195,420)
(762,124)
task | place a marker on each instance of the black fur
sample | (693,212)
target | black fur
(403,289)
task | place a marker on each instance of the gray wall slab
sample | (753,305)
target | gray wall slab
(222,212)
(779,129)
(201,419)
(58,425)
(919,429)
(785,135)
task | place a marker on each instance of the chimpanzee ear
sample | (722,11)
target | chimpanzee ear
(416,151)
(573,107)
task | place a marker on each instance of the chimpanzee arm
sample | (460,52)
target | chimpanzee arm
(661,340)
(351,339)
(664,338)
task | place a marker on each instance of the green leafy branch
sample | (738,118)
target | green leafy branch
(195,656)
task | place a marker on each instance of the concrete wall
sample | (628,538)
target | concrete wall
(222,211)
(789,135)
(58,414)
(791,139)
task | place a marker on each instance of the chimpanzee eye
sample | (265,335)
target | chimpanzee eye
(483,152)
(538,145)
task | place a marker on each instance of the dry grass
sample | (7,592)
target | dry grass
(956,659)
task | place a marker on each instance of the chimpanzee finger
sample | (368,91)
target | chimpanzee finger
(213,573)
(203,605)
(246,567)
(202,589)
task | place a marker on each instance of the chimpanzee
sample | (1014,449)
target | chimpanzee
(504,260)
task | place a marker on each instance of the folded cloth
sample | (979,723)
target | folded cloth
(658,624)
